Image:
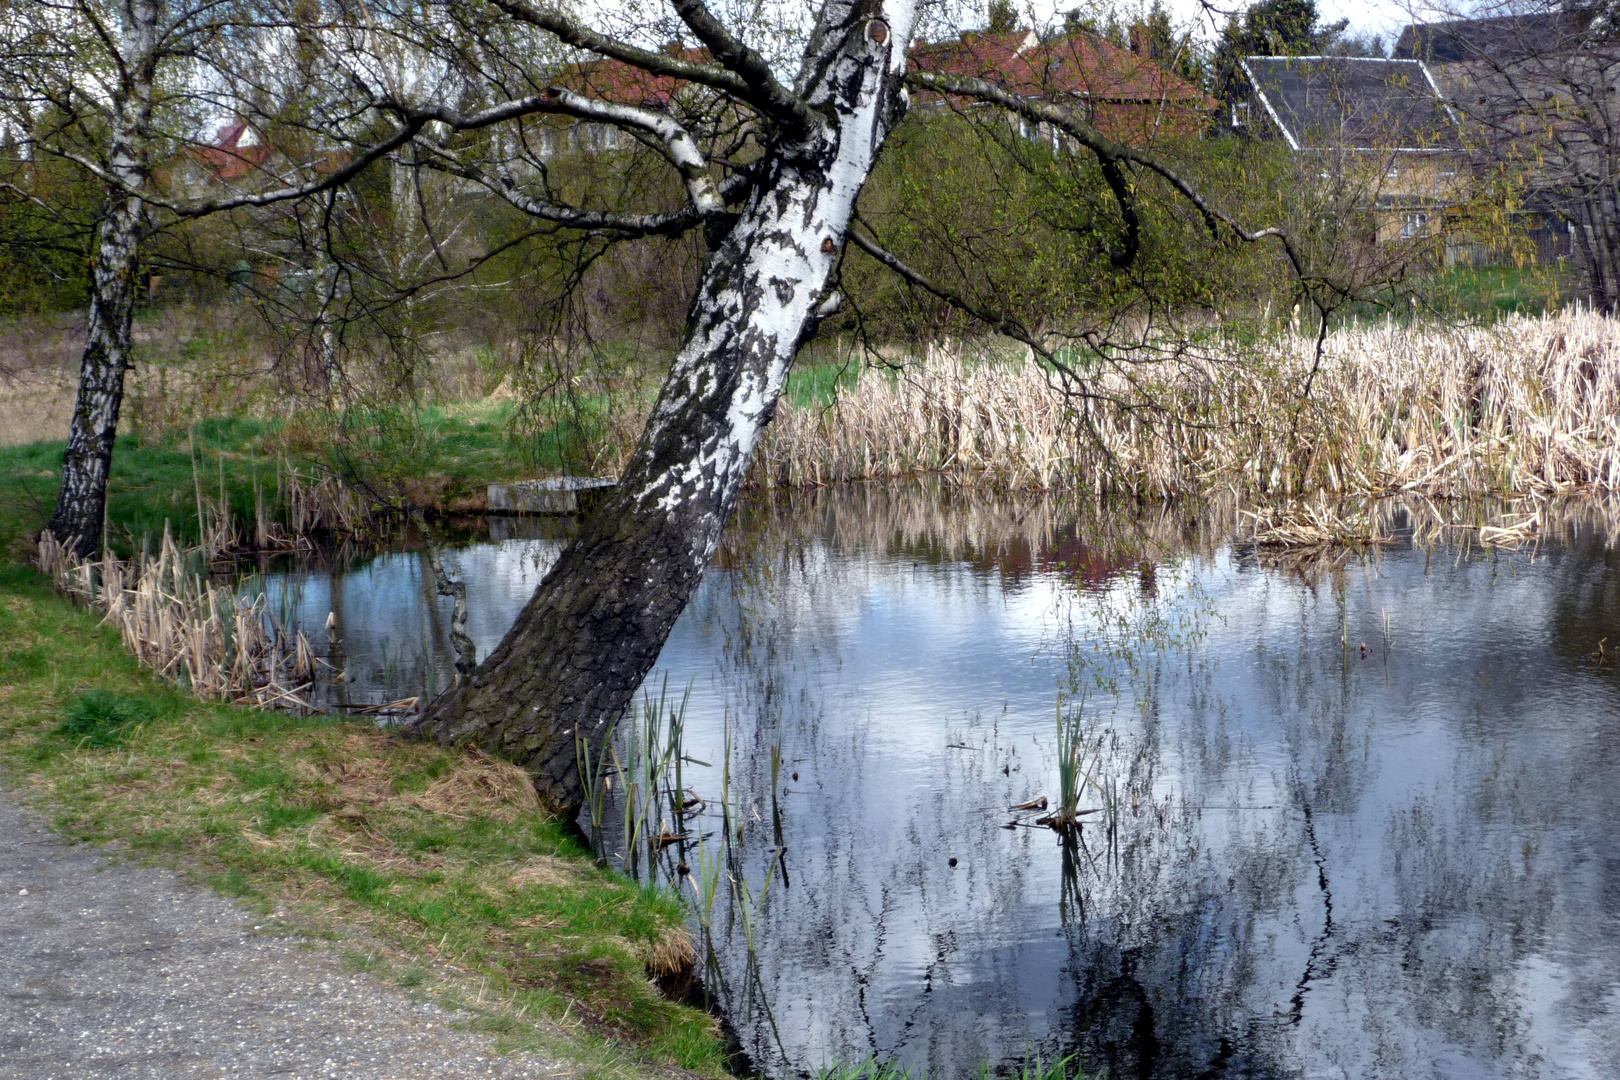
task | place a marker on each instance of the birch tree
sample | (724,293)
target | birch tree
(770,166)
(130,93)
(765,122)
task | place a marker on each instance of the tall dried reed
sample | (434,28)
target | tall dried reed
(186,628)
(1528,406)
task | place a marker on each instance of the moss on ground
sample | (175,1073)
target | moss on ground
(437,864)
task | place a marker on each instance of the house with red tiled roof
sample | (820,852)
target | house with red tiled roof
(1126,95)
(235,153)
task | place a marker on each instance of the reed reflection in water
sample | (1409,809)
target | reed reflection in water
(1396,861)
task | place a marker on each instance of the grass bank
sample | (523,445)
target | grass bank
(348,471)
(437,458)
(433,868)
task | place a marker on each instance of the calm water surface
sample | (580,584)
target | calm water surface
(1394,861)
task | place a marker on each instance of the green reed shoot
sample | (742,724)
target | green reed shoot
(654,747)
(597,783)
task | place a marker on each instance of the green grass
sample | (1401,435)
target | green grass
(450,882)
(819,383)
(103,719)
(1492,291)
(438,458)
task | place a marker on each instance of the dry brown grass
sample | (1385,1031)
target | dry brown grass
(544,870)
(38,368)
(481,786)
(1524,407)
(1313,523)
(185,628)
(673,953)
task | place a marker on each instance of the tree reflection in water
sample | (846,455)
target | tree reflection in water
(1401,861)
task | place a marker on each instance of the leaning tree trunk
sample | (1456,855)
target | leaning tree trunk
(577,653)
(81,504)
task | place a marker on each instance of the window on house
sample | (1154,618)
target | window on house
(1240,114)
(1415,224)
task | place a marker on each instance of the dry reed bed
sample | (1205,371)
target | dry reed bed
(1524,407)
(184,627)
(976,524)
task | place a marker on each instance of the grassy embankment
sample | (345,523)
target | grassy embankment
(437,458)
(434,868)
(452,452)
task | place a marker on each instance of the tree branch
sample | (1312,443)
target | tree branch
(625,226)
(675,142)
(781,106)
(770,96)
(1108,150)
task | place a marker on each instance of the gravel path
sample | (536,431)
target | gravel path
(110,969)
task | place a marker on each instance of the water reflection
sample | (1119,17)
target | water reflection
(389,631)
(1396,860)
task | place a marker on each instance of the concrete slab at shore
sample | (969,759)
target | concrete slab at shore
(557,495)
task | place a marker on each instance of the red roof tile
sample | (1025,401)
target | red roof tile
(235,152)
(1072,65)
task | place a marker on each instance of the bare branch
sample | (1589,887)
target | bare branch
(675,142)
(203,207)
(782,106)
(625,226)
(770,96)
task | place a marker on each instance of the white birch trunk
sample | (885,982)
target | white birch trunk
(595,626)
(81,503)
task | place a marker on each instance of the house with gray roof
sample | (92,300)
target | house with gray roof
(1378,124)
(1539,91)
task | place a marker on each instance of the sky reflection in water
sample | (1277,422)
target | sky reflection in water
(1398,864)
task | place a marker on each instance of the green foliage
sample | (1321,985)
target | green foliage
(104,719)
(1002,17)
(46,211)
(1037,233)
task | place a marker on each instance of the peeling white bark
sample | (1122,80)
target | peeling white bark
(592,631)
(81,503)
(787,242)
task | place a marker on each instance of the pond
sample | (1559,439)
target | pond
(1349,816)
